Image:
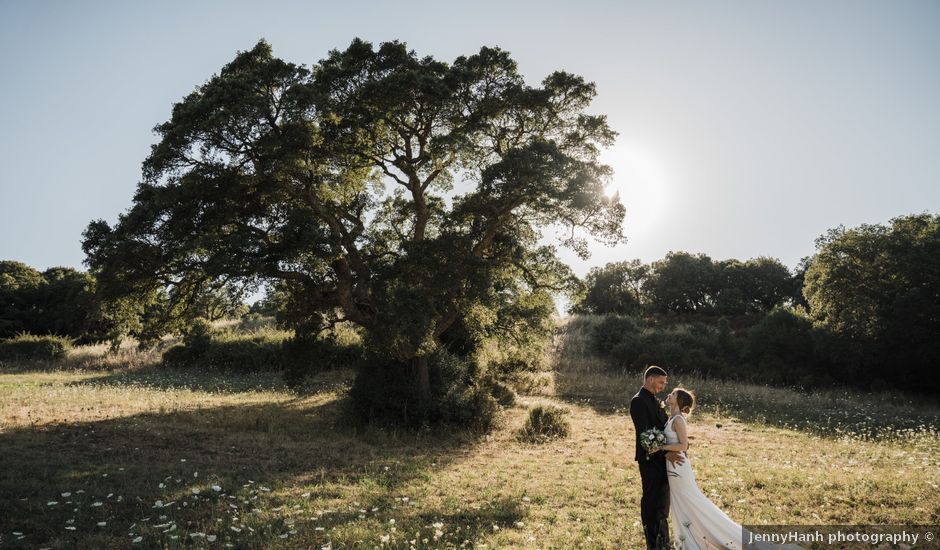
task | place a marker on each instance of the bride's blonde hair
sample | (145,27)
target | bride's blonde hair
(685,399)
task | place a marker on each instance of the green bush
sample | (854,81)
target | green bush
(253,354)
(503,394)
(686,347)
(613,330)
(781,349)
(230,351)
(545,422)
(30,347)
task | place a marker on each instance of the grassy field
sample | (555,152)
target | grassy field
(143,458)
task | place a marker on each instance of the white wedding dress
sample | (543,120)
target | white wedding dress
(697,524)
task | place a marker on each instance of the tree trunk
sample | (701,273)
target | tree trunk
(421,382)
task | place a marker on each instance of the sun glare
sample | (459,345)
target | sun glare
(640,179)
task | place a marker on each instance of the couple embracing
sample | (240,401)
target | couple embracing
(667,477)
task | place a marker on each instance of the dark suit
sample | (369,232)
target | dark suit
(654,505)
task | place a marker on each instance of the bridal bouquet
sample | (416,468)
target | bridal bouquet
(651,440)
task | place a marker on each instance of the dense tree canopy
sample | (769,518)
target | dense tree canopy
(59,300)
(615,288)
(338,183)
(878,287)
(19,285)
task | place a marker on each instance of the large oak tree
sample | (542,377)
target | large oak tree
(378,187)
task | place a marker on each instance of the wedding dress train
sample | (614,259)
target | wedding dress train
(697,524)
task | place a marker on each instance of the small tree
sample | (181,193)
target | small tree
(614,288)
(683,283)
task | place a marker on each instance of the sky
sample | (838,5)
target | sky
(746,127)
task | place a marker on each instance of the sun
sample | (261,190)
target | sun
(640,180)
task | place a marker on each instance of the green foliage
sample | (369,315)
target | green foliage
(35,348)
(274,173)
(204,348)
(18,285)
(615,288)
(682,283)
(384,392)
(632,345)
(545,422)
(781,349)
(306,355)
(503,394)
(755,286)
(874,287)
(614,334)
(60,300)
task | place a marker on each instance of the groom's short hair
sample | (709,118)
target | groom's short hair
(653,370)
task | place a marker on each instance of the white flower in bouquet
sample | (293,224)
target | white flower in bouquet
(651,440)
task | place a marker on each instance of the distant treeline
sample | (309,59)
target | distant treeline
(863,311)
(64,301)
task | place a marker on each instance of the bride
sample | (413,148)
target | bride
(697,524)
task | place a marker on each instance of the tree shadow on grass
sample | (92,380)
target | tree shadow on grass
(288,474)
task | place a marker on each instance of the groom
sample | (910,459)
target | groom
(646,412)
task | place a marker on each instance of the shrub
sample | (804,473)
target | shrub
(545,422)
(30,347)
(503,394)
(261,350)
(252,354)
(612,331)
(781,349)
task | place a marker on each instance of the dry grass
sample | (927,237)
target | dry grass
(293,472)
